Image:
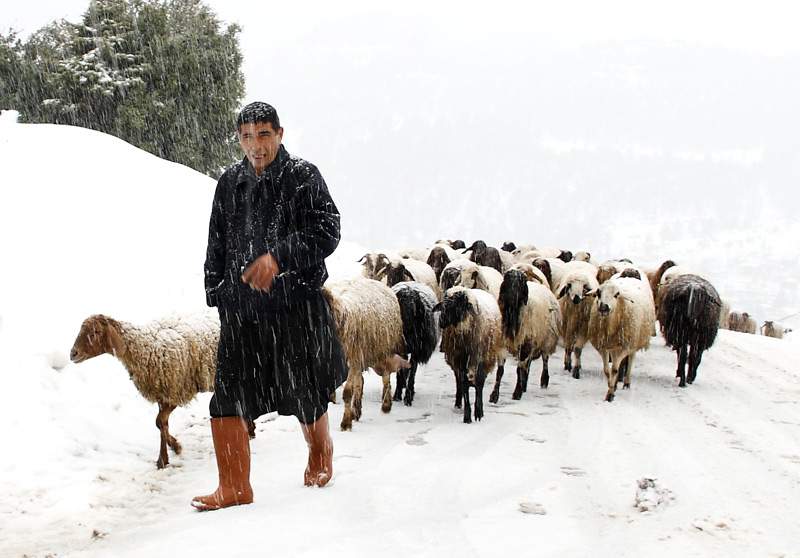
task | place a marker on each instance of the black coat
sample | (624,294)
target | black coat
(287,212)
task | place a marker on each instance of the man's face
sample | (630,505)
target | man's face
(260,143)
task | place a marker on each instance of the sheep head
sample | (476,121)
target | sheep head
(373,264)
(607,296)
(575,290)
(98,335)
(455,308)
(395,272)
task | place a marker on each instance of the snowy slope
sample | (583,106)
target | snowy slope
(102,227)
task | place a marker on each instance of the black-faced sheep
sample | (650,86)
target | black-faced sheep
(472,342)
(689,318)
(622,321)
(170,360)
(438,258)
(400,270)
(420,333)
(531,328)
(490,256)
(370,327)
(577,281)
(773,329)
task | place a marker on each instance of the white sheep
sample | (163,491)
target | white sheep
(368,320)
(621,323)
(472,342)
(532,273)
(577,281)
(531,328)
(474,276)
(773,329)
(170,360)
(742,322)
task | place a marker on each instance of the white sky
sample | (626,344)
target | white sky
(766,26)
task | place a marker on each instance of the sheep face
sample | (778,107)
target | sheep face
(575,290)
(455,309)
(98,335)
(395,272)
(449,278)
(373,264)
(607,296)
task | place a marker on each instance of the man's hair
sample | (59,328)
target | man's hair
(258,112)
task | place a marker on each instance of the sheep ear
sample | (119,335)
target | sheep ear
(593,292)
(407,275)
(563,291)
(437,308)
(363,259)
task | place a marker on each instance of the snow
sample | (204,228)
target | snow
(90,224)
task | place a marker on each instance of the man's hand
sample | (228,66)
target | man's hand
(261,273)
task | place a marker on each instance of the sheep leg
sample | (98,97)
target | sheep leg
(412,375)
(567,358)
(347,396)
(459,391)
(464,381)
(480,381)
(611,376)
(628,363)
(498,376)
(623,367)
(358,395)
(523,370)
(694,361)
(387,393)
(402,383)
(576,370)
(682,353)
(544,379)
(162,423)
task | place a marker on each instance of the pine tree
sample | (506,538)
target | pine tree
(160,74)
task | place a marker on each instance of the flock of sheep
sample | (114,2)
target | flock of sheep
(476,304)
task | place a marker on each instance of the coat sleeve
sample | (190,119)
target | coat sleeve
(214,268)
(316,231)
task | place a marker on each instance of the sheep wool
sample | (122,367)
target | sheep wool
(370,327)
(621,324)
(531,328)
(472,342)
(170,360)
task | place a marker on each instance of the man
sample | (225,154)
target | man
(272,224)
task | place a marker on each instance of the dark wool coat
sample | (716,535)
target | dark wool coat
(288,212)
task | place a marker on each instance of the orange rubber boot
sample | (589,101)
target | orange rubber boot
(232,449)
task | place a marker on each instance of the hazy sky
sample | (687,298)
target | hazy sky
(765,26)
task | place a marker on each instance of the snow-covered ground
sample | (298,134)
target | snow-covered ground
(90,224)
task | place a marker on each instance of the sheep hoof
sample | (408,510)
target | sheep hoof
(544,382)
(517,395)
(626,385)
(493,398)
(610,397)
(577,374)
